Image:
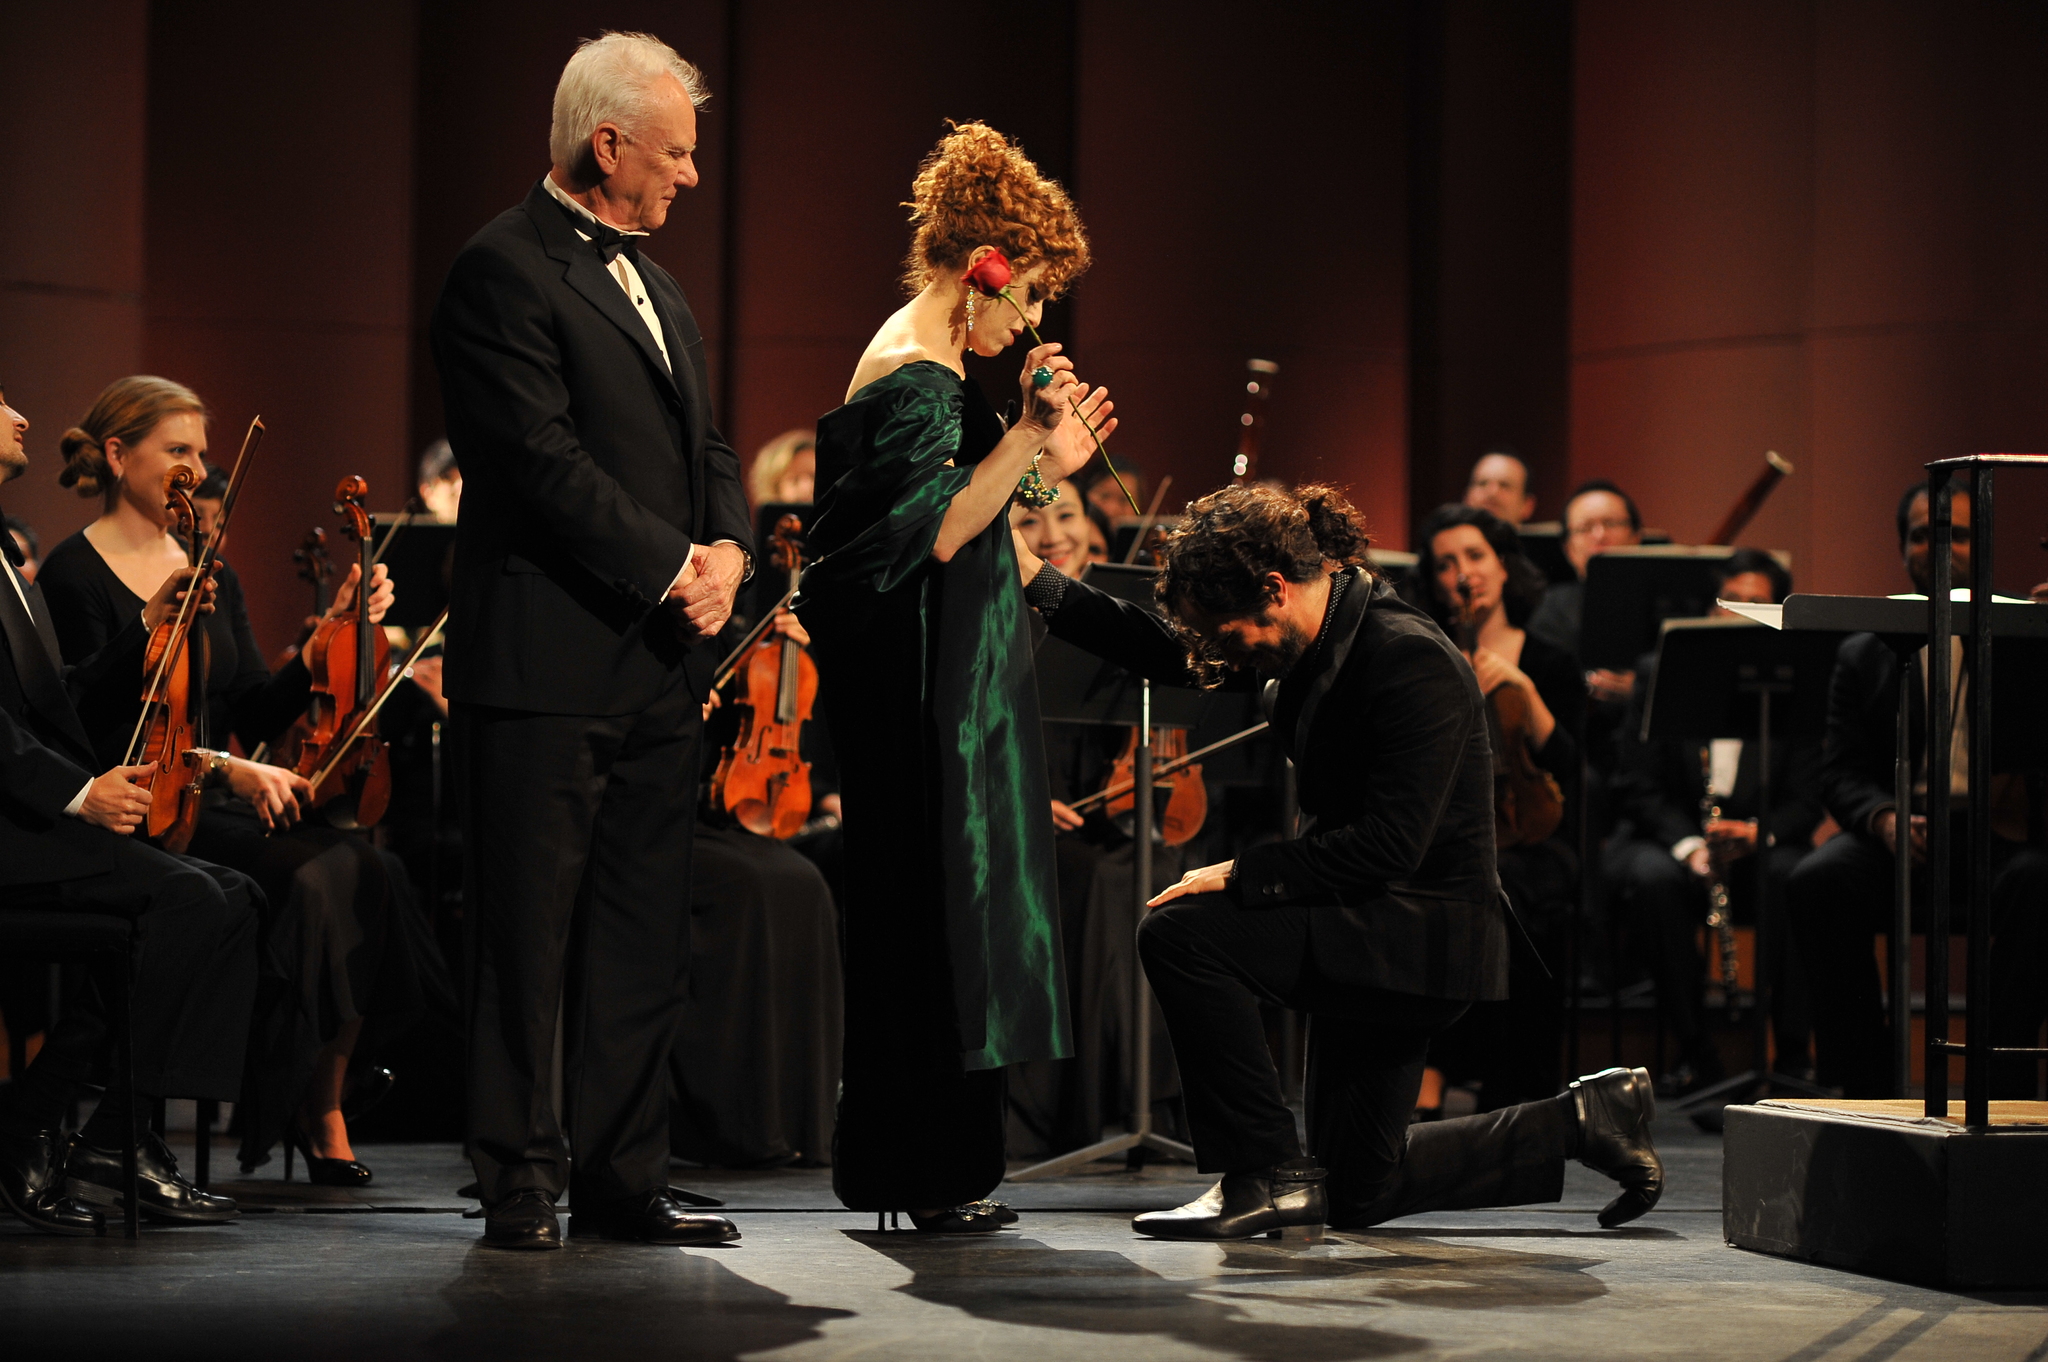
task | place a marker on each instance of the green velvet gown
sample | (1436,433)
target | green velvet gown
(951,917)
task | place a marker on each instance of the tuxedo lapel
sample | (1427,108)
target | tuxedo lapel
(1344,625)
(682,336)
(583,270)
(37,660)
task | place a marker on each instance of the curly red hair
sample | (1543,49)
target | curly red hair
(978,188)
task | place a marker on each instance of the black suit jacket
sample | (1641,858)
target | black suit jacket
(45,756)
(588,471)
(1388,732)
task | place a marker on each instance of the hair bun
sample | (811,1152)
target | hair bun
(978,188)
(85,463)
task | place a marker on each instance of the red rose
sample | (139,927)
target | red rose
(992,275)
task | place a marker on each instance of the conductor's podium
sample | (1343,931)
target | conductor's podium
(1881,1188)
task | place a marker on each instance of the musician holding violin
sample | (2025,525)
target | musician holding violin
(1481,590)
(346,965)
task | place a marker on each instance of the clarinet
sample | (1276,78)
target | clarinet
(1719,920)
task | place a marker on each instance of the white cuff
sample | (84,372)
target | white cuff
(78,800)
(1683,850)
(681,572)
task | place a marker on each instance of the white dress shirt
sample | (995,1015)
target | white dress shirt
(621,269)
(14,580)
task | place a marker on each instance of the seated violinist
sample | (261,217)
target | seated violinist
(351,960)
(1481,589)
(69,843)
(1385,921)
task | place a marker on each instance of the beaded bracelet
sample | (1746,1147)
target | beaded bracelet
(1031,488)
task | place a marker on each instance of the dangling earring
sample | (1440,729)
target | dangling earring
(970,310)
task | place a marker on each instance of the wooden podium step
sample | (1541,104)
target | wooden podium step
(1878,1187)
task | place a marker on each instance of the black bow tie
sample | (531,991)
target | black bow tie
(610,241)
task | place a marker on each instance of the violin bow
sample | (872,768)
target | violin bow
(1167,768)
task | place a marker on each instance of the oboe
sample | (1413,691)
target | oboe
(1719,920)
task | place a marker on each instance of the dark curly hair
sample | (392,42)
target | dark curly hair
(1215,562)
(978,188)
(1525,585)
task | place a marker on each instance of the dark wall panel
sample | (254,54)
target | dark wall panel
(71,255)
(1814,228)
(279,256)
(1243,174)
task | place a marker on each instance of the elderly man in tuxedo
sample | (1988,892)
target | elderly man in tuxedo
(69,844)
(596,559)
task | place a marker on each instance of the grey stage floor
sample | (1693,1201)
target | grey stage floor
(395,1273)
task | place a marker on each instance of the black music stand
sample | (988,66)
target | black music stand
(420,556)
(1629,593)
(1730,678)
(1075,686)
(1543,545)
(1988,749)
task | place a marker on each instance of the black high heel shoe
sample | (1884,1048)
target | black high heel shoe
(973,1218)
(322,1172)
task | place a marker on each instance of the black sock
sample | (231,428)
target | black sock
(1568,1106)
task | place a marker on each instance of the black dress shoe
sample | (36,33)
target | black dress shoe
(323,1172)
(1615,1107)
(652,1218)
(32,1185)
(1286,1202)
(93,1175)
(524,1220)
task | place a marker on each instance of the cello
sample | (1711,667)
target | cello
(342,757)
(174,669)
(762,779)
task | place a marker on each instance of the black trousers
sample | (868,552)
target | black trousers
(1667,905)
(1841,898)
(193,981)
(1212,963)
(577,867)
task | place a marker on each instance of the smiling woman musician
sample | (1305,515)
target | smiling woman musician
(344,956)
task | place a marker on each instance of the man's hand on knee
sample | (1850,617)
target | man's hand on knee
(1210,879)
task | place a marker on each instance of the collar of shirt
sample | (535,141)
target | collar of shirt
(620,268)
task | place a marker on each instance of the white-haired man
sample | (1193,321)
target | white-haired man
(596,557)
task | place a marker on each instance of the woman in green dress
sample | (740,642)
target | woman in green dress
(951,920)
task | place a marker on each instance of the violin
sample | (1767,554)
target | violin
(1187,797)
(1122,780)
(313,566)
(170,728)
(1527,803)
(347,764)
(762,779)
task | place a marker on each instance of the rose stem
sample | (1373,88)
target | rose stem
(1075,407)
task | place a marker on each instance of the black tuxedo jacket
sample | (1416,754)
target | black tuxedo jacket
(45,755)
(1388,733)
(588,471)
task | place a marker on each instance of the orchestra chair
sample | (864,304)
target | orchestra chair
(90,938)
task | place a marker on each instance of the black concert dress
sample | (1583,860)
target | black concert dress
(951,911)
(342,937)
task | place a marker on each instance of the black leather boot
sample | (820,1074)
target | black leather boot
(1615,1107)
(1286,1201)
(32,1184)
(93,1175)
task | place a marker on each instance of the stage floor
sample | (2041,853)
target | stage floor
(396,1273)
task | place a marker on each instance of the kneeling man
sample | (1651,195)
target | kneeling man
(1383,922)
